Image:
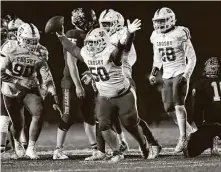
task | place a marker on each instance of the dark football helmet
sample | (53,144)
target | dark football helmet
(212,67)
(84,19)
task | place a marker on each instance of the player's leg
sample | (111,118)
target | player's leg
(65,123)
(104,110)
(13,106)
(24,137)
(34,104)
(120,135)
(154,147)
(4,125)
(129,118)
(100,153)
(201,140)
(179,95)
(88,113)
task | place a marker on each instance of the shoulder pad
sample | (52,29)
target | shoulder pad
(43,52)
(183,33)
(9,46)
(153,36)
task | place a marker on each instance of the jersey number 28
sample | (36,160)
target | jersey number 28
(215,86)
(168,54)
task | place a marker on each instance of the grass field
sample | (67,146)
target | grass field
(77,147)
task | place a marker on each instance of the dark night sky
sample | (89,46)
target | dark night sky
(202,18)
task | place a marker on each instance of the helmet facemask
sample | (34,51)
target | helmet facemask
(96,41)
(30,44)
(95,46)
(28,37)
(164,19)
(111,21)
(161,25)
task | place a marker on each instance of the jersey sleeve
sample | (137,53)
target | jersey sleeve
(188,49)
(183,34)
(157,62)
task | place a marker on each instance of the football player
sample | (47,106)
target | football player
(114,90)
(113,22)
(171,47)
(83,20)
(9,25)
(21,61)
(206,95)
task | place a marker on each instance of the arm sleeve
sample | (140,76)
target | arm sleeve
(191,56)
(72,65)
(157,62)
(70,47)
(47,79)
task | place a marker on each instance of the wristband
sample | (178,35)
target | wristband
(155,71)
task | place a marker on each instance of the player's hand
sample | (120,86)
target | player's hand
(80,92)
(152,80)
(87,77)
(133,27)
(56,107)
(60,32)
(27,83)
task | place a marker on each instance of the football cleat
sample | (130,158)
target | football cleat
(124,146)
(117,156)
(215,149)
(31,153)
(97,155)
(59,154)
(180,145)
(19,150)
(154,151)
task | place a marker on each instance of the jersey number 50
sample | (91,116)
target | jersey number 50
(100,73)
(168,54)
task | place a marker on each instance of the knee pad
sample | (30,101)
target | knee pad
(169,107)
(4,123)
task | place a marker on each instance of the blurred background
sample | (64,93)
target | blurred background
(202,18)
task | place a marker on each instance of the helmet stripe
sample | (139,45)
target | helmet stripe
(32,28)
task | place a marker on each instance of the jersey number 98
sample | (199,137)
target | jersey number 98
(21,70)
(168,54)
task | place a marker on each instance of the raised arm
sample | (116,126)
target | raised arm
(69,46)
(127,42)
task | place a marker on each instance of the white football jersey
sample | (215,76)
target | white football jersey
(110,80)
(22,64)
(169,51)
(128,58)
